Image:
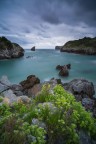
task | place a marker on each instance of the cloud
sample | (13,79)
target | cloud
(46,23)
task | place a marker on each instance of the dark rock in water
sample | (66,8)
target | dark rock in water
(68,66)
(33,48)
(59,67)
(64,71)
(29,57)
(10,50)
(29,82)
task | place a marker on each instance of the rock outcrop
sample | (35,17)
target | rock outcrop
(83,91)
(85,45)
(33,48)
(11,93)
(29,83)
(10,50)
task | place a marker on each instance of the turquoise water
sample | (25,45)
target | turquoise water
(43,63)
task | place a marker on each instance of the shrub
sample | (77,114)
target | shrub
(63,116)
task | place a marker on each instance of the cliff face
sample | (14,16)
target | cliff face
(10,50)
(82,46)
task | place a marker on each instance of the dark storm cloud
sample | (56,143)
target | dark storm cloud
(47,22)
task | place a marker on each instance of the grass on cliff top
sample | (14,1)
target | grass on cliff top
(62,116)
(85,42)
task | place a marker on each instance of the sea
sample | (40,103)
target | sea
(42,63)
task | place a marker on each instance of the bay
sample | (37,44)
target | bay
(42,63)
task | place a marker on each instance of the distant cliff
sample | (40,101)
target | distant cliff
(58,47)
(85,45)
(10,50)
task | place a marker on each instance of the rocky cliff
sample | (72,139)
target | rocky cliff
(85,45)
(10,50)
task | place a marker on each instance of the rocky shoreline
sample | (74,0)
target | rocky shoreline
(23,95)
(82,90)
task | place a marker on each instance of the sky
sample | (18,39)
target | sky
(47,23)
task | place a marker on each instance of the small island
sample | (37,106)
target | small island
(85,45)
(10,50)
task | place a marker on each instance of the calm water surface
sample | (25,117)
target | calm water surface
(43,63)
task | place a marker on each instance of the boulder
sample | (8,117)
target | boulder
(33,48)
(35,90)
(4,81)
(23,99)
(3,87)
(17,89)
(9,96)
(80,87)
(29,82)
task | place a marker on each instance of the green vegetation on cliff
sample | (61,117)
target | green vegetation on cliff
(85,45)
(86,42)
(50,118)
(4,42)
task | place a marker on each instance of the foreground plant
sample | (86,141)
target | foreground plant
(59,119)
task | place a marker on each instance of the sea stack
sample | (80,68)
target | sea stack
(33,48)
